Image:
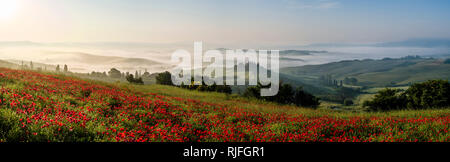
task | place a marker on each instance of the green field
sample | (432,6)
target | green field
(376,73)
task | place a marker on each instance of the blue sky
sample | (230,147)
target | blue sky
(227,21)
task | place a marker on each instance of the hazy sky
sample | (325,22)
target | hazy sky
(223,21)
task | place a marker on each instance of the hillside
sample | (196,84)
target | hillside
(38,107)
(7,64)
(54,57)
(376,73)
(423,42)
(85,62)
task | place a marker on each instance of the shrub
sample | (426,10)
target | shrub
(447,61)
(131,79)
(9,126)
(348,102)
(430,94)
(164,78)
(387,99)
(286,95)
(114,73)
(208,88)
(223,89)
(252,92)
(303,98)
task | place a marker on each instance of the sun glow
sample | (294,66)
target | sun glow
(8,8)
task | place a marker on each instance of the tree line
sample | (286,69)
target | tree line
(286,94)
(31,66)
(137,78)
(426,95)
(165,78)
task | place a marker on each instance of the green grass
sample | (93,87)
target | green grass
(375,73)
(269,107)
(247,119)
(234,100)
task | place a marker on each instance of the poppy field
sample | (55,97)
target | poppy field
(38,107)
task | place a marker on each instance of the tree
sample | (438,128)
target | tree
(66,69)
(252,92)
(387,99)
(344,93)
(348,102)
(285,95)
(447,61)
(31,65)
(222,89)
(164,78)
(114,73)
(131,79)
(58,68)
(429,94)
(305,99)
(350,81)
(146,75)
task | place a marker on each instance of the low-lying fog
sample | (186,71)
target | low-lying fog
(156,57)
(335,54)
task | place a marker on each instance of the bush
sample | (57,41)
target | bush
(348,102)
(10,130)
(131,79)
(207,88)
(164,78)
(114,73)
(252,92)
(305,99)
(447,61)
(429,94)
(387,99)
(286,95)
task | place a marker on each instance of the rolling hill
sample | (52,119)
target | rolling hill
(7,64)
(43,107)
(53,57)
(375,73)
(85,62)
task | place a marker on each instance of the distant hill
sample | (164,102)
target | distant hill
(375,72)
(18,43)
(95,59)
(7,64)
(284,52)
(422,42)
(417,42)
(18,63)
(299,52)
(86,62)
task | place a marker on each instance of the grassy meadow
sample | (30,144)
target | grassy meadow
(49,107)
